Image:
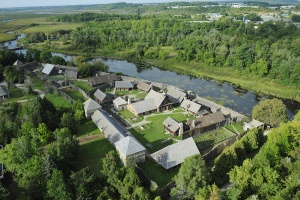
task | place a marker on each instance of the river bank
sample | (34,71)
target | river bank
(264,85)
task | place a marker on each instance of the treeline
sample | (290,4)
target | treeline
(252,50)
(274,172)
(87,17)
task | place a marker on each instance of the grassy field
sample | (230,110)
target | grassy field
(153,133)
(137,93)
(84,85)
(91,153)
(157,173)
(130,117)
(74,94)
(236,128)
(17,94)
(58,101)
(87,128)
(208,139)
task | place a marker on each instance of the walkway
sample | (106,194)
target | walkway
(89,138)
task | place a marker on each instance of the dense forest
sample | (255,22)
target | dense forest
(265,50)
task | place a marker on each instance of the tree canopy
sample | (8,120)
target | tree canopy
(270,111)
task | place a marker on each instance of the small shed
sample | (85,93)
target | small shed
(4,93)
(124,85)
(18,63)
(130,150)
(252,124)
(173,127)
(120,104)
(71,73)
(101,97)
(191,106)
(49,69)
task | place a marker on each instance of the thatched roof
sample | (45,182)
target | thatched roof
(207,120)
(98,80)
(144,86)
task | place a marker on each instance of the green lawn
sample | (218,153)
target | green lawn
(153,133)
(87,128)
(17,94)
(130,117)
(91,153)
(84,85)
(238,127)
(137,93)
(157,173)
(58,101)
(37,83)
(208,139)
(74,94)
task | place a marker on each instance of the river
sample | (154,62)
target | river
(225,93)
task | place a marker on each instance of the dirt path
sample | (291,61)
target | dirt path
(89,138)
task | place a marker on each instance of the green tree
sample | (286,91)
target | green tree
(44,133)
(46,56)
(4,193)
(56,187)
(68,121)
(192,175)
(271,111)
(58,60)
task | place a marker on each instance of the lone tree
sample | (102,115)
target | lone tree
(271,111)
(192,176)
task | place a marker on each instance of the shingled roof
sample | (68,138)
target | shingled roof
(208,120)
(98,80)
(119,101)
(3,91)
(175,154)
(144,86)
(144,106)
(48,69)
(171,123)
(30,66)
(129,145)
(18,63)
(90,104)
(158,98)
(112,130)
(123,84)
(175,95)
(100,95)
(191,106)
(71,73)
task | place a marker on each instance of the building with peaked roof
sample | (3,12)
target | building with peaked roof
(90,106)
(145,87)
(101,97)
(18,63)
(102,79)
(49,69)
(174,127)
(175,154)
(175,95)
(4,93)
(191,106)
(208,122)
(252,124)
(71,73)
(112,130)
(123,86)
(120,104)
(130,150)
(30,67)
(154,102)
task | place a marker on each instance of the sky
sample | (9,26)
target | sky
(29,3)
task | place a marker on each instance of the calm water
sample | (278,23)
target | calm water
(227,94)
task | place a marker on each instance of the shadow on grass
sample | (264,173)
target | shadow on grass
(91,153)
(87,128)
(157,173)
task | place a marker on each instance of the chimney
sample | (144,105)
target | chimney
(180,129)
(151,86)
(194,124)
(129,101)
